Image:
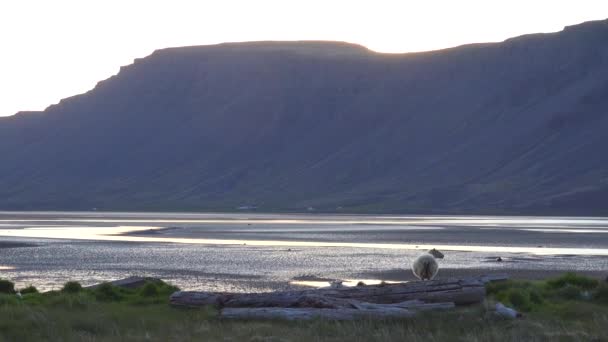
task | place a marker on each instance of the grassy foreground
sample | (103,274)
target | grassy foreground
(569,308)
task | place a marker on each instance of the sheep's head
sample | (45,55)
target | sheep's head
(437,254)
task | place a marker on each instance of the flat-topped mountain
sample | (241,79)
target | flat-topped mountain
(518,127)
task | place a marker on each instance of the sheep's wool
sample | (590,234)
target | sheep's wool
(425,267)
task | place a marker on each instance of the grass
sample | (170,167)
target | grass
(569,308)
(6,287)
(562,297)
(71,287)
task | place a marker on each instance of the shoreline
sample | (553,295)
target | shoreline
(220,282)
(517,274)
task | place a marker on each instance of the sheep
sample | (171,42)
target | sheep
(336,284)
(425,266)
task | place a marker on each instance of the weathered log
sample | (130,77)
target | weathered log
(312,313)
(312,300)
(458,291)
(414,305)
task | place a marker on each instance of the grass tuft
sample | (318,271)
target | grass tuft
(564,296)
(520,298)
(569,292)
(72,287)
(8,300)
(601,294)
(107,292)
(28,290)
(149,290)
(7,286)
(572,279)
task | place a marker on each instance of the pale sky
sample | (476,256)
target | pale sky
(54,49)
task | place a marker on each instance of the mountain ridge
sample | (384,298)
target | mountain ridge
(513,127)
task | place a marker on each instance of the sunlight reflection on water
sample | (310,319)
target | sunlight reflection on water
(345,282)
(115,234)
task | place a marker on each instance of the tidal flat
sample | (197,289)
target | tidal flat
(264,252)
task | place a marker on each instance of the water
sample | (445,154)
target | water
(261,252)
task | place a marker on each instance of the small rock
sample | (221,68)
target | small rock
(506,311)
(499,259)
(360,283)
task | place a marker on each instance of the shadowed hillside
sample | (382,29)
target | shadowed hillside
(519,127)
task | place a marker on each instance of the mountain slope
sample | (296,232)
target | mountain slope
(514,127)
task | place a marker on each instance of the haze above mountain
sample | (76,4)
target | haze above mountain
(518,127)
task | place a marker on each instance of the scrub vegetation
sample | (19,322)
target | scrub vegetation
(567,308)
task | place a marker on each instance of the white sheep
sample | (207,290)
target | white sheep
(336,284)
(425,266)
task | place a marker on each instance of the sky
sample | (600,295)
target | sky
(55,49)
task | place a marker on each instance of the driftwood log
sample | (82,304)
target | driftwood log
(380,301)
(459,291)
(354,311)
(312,313)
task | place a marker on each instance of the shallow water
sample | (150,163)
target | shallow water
(258,252)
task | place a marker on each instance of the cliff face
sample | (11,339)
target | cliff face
(515,127)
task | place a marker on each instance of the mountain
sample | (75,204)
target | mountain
(517,127)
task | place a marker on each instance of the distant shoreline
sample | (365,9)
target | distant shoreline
(16,244)
(317,212)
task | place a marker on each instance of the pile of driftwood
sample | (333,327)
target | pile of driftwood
(367,301)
